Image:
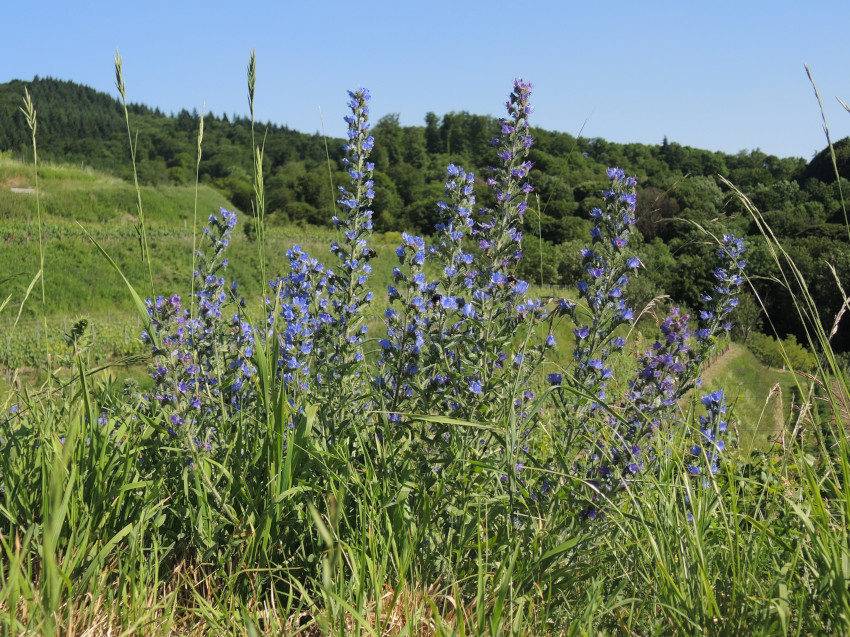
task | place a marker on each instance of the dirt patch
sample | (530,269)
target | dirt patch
(15,181)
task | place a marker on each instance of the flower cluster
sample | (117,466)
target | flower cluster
(657,387)
(202,363)
(457,328)
(500,301)
(509,179)
(315,317)
(723,300)
(606,264)
(403,350)
(672,366)
(498,230)
(356,227)
(619,437)
(316,314)
(712,430)
(301,315)
(427,330)
(461,339)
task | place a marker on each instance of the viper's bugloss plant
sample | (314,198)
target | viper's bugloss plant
(203,369)
(501,304)
(620,432)
(318,315)
(712,432)
(458,343)
(671,367)
(607,263)
(353,252)
(453,343)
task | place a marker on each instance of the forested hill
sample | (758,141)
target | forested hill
(77,124)
(800,200)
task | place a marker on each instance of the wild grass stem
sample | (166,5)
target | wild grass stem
(257,152)
(29,112)
(141,229)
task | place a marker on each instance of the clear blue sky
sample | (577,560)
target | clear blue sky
(718,75)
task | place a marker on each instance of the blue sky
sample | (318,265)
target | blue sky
(718,75)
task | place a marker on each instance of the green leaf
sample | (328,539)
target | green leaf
(140,305)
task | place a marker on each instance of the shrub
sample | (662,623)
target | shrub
(782,354)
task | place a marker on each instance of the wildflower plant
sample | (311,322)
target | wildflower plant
(421,362)
(451,340)
(202,355)
(317,317)
(501,303)
(618,435)
(403,351)
(607,264)
(672,366)
(459,341)
(710,444)
(353,253)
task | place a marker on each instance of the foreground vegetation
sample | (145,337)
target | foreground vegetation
(294,467)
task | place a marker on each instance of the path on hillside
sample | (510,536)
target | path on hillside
(717,365)
(721,363)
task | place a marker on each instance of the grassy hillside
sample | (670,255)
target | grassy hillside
(78,278)
(762,396)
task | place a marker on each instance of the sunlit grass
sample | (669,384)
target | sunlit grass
(762,397)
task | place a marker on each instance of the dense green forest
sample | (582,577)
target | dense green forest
(680,188)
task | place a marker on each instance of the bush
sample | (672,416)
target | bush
(782,354)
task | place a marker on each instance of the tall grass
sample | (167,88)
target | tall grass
(30,114)
(141,230)
(259,201)
(195,207)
